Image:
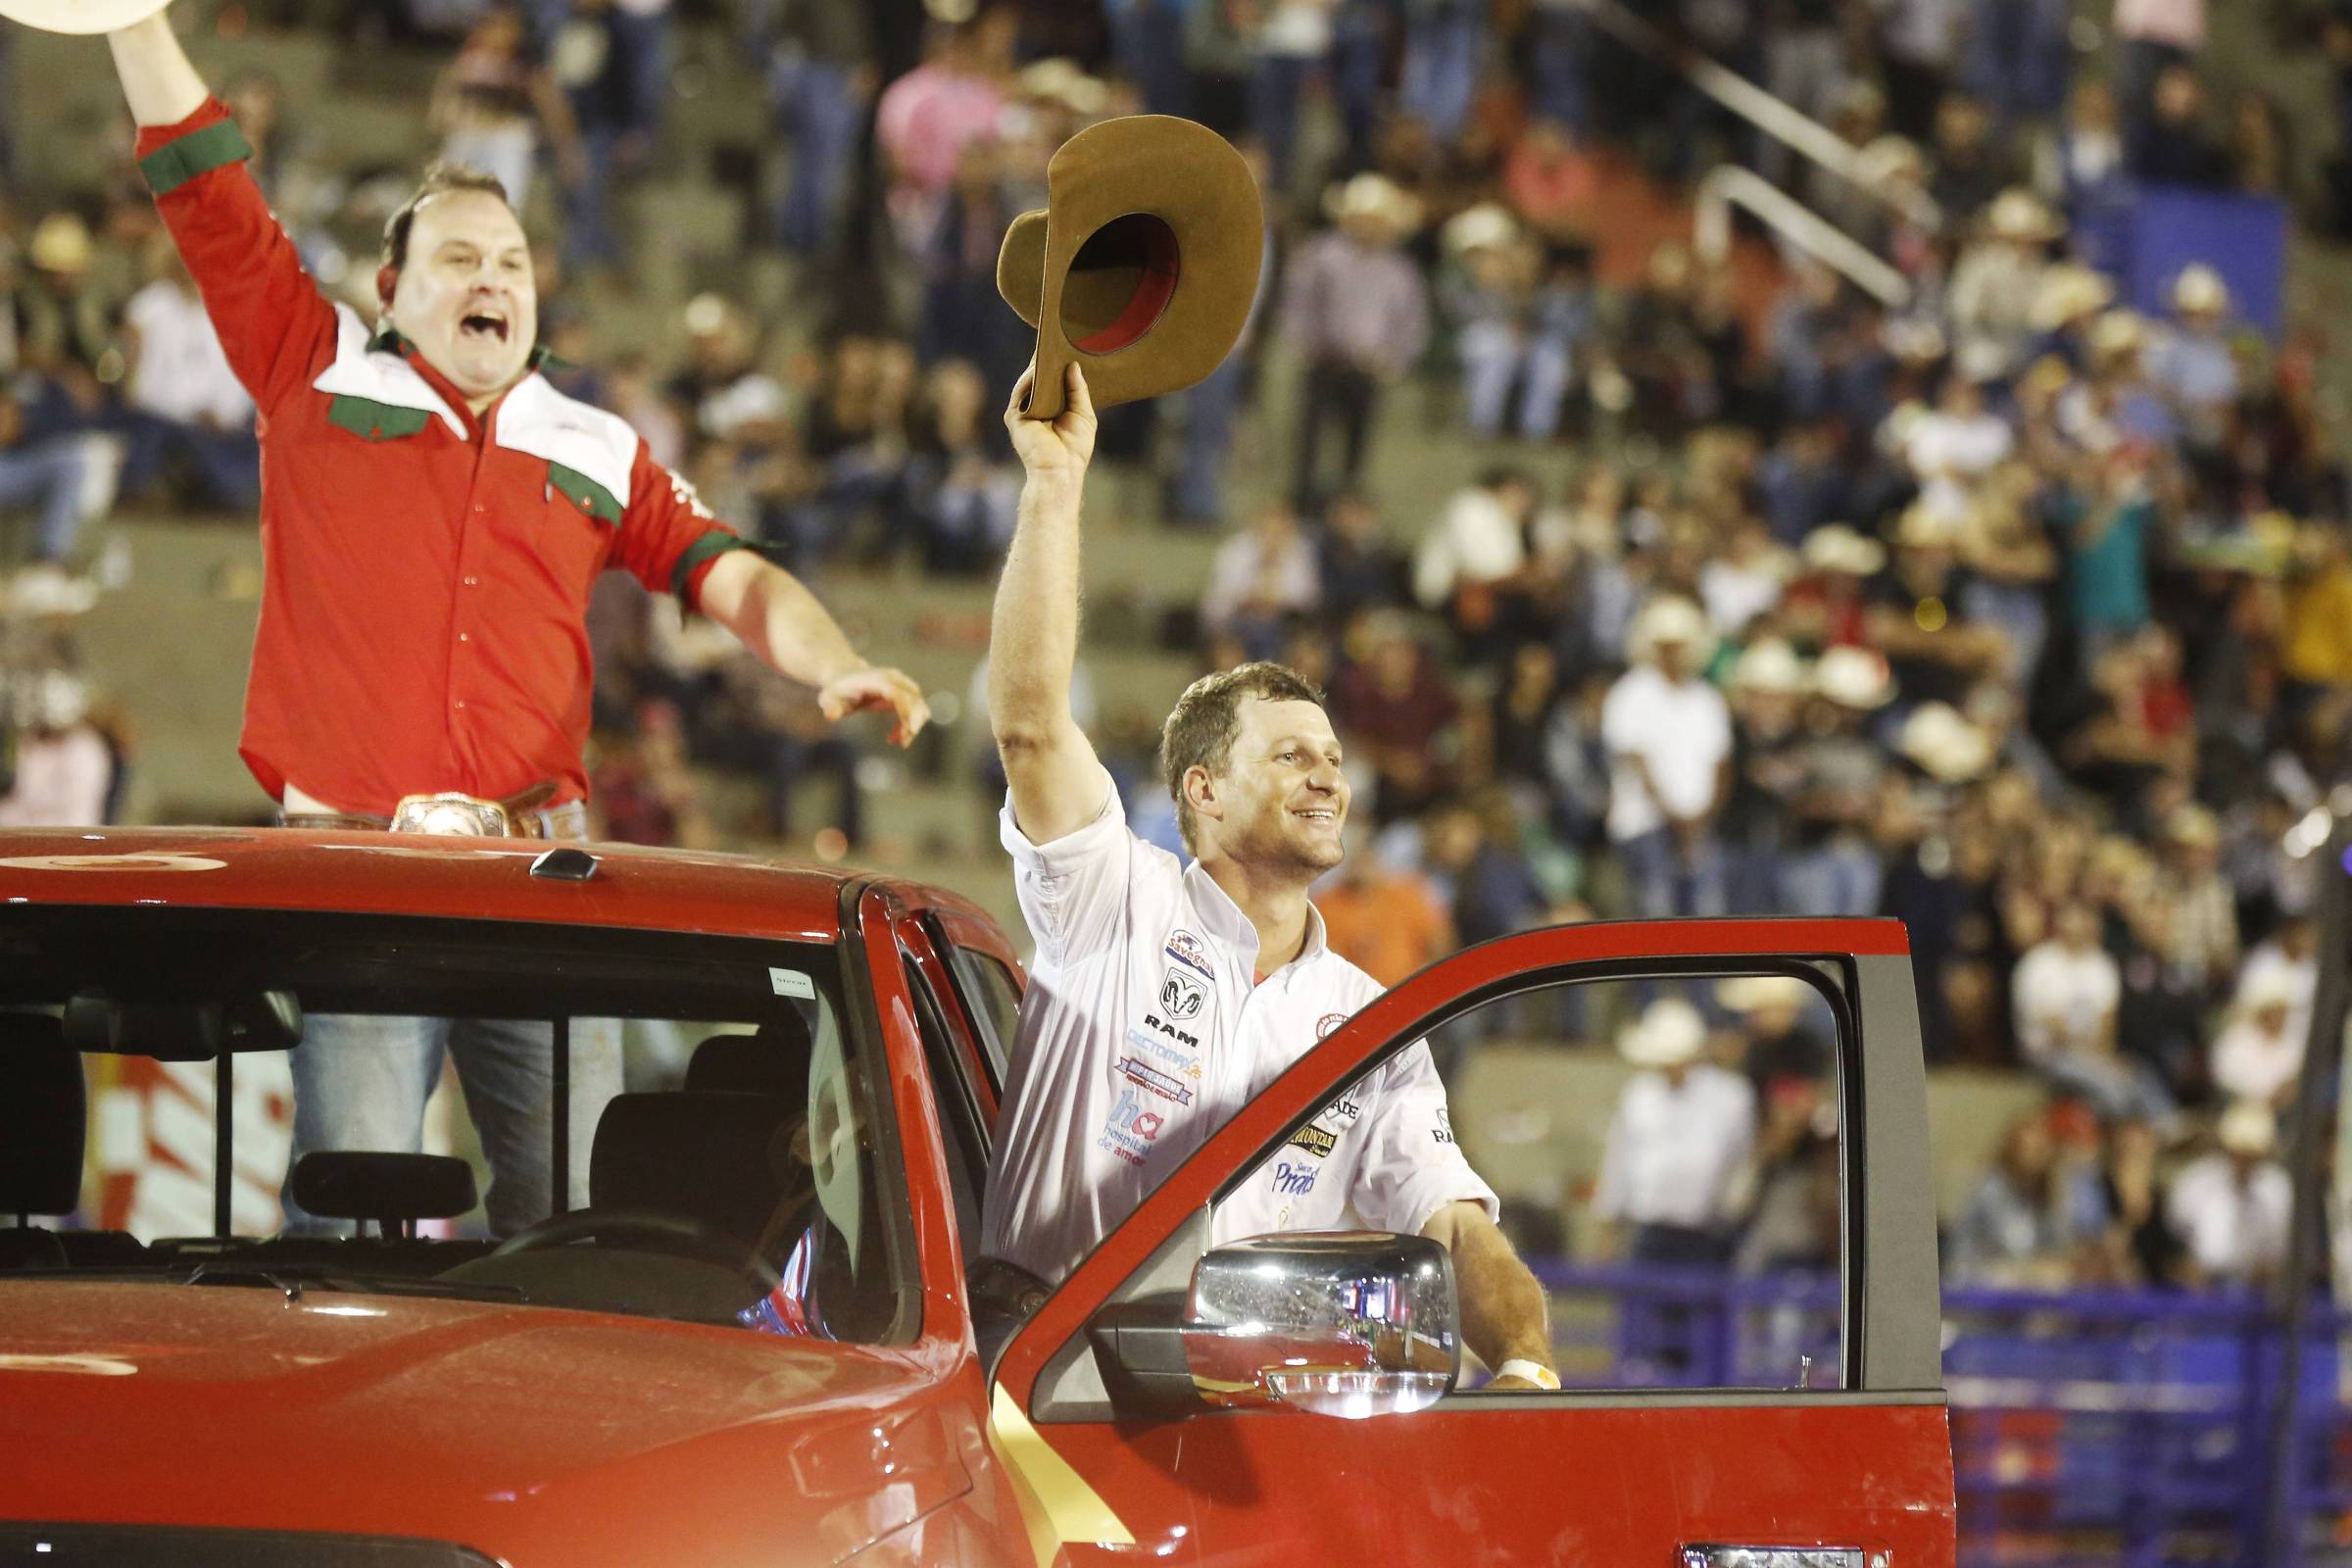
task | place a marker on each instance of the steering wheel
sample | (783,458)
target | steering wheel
(662,1230)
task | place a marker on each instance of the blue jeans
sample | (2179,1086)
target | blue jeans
(360,1081)
(1147,39)
(816,108)
(1441,71)
(49,481)
(1275,89)
(1660,882)
(1209,410)
(1835,879)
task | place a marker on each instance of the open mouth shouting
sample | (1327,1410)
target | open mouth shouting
(487,323)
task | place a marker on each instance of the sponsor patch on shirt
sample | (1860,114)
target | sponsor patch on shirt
(1186,949)
(1181,997)
(1130,1129)
(1295,1181)
(1327,1023)
(1314,1139)
(1168,1053)
(1148,1077)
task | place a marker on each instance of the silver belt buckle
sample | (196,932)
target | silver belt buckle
(451,812)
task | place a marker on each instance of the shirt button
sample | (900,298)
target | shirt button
(465,637)
(473,582)
(479,509)
(459,703)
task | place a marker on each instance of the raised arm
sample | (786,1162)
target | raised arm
(275,328)
(160,84)
(779,619)
(1056,781)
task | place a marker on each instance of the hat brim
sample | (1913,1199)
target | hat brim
(80,16)
(1143,266)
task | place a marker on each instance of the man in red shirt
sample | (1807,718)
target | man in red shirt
(433,516)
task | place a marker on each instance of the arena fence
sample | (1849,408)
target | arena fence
(2129,1428)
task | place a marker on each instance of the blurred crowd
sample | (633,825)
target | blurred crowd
(1982,601)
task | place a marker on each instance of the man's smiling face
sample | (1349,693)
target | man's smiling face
(465,295)
(1281,799)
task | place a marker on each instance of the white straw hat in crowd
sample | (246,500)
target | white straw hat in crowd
(2118,331)
(2266,987)
(1762,993)
(1485,226)
(2199,290)
(1837,547)
(2247,1128)
(1926,526)
(1371,195)
(1769,664)
(1670,1033)
(2018,213)
(2068,292)
(1946,746)
(1671,619)
(1854,677)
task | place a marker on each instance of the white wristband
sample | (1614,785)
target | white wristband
(1535,1372)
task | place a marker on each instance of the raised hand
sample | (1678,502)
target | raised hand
(1063,445)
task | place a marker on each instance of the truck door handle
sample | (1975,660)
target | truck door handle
(1713,1557)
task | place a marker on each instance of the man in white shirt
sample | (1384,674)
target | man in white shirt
(2232,1209)
(1163,997)
(2258,1055)
(185,398)
(1669,737)
(1676,1162)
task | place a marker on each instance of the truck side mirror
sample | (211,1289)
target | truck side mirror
(1345,1323)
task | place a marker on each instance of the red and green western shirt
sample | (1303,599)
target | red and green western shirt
(426,570)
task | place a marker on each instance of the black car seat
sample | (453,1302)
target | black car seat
(43,1118)
(701,1153)
(773,1062)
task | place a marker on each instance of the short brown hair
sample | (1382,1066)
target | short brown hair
(440,178)
(1200,729)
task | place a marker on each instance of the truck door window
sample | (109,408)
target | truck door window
(959,1113)
(990,1000)
(1668,1159)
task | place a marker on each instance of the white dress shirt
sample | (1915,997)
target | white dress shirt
(1680,730)
(2232,1228)
(1675,1155)
(1141,1033)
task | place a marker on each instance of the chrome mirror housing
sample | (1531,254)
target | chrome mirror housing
(1345,1323)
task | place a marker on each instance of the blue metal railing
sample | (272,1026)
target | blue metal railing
(2129,1428)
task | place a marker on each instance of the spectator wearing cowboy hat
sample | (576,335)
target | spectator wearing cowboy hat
(1825,607)
(2258,1055)
(2230,1209)
(1669,734)
(1998,281)
(1357,311)
(1834,868)
(1767,701)
(1675,1160)
(2191,365)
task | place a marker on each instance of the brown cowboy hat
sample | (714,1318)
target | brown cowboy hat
(1143,267)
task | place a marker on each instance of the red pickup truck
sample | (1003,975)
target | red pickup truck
(758,1344)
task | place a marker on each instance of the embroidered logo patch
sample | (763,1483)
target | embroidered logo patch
(1314,1139)
(1148,1077)
(1330,1021)
(1186,949)
(1181,997)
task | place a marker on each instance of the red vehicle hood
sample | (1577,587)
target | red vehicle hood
(531,1435)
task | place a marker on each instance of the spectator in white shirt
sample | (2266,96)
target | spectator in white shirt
(2064,997)
(2290,960)
(2258,1055)
(1262,575)
(1676,1164)
(1669,738)
(2231,1209)
(64,769)
(1950,449)
(186,405)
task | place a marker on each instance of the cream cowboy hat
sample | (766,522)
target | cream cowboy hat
(1671,619)
(1669,1034)
(1769,664)
(1371,195)
(2247,1128)
(2018,213)
(2199,290)
(1854,677)
(1945,745)
(1837,547)
(80,16)
(1759,992)
(2069,291)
